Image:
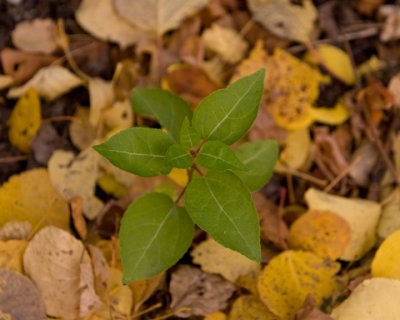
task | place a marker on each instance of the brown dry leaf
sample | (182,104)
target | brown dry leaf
(310,311)
(77,216)
(366,156)
(289,277)
(367,7)
(5,81)
(100,19)
(198,293)
(37,36)
(119,116)
(215,258)
(394,88)
(61,269)
(226,42)
(50,82)
(81,131)
(285,18)
(361,215)
(15,230)
(101,97)
(143,289)
(157,16)
(19,298)
(31,197)
(11,253)
(391,29)
(75,176)
(322,232)
(248,307)
(21,66)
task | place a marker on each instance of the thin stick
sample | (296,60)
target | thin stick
(140,313)
(13,159)
(306,177)
(344,173)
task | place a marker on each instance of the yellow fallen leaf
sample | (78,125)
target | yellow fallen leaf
(386,263)
(372,300)
(25,121)
(11,253)
(390,218)
(289,277)
(249,307)
(31,197)
(82,133)
(120,115)
(285,18)
(335,60)
(332,116)
(322,232)
(215,258)
(109,184)
(50,83)
(372,65)
(361,215)
(228,43)
(179,176)
(216,316)
(101,95)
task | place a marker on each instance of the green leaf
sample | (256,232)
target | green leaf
(140,151)
(169,109)
(227,114)
(216,155)
(220,204)
(259,158)
(154,235)
(178,157)
(189,137)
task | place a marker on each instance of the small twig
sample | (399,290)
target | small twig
(280,217)
(13,159)
(306,177)
(246,28)
(344,173)
(140,313)
(172,313)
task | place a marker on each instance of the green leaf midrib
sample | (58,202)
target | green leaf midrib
(133,153)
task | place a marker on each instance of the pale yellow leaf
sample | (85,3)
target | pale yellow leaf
(109,184)
(50,83)
(394,88)
(289,277)
(120,115)
(82,133)
(361,215)
(61,269)
(216,316)
(391,29)
(386,263)
(100,19)
(248,307)
(372,65)
(11,253)
(101,97)
(335,60)
(322,232)
(332,116)
(375,299)
(228,43)
(157,16)
(390,218)
(215,258)
(76,176)
(179,176)
(25,121)
(284,18)
(31,197)
(38,36)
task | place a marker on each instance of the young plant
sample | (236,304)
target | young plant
(156,231)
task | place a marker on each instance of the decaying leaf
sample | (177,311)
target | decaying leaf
(101,97)
(391,30)
(285,18)
(157,16)
(31,197)
(81,131)
(322,232)
(289,277)
(386,263)
(366,156)
(394,88)
(248,307)
(25,121)
(390,218)
(50,83)
(15,230)
(38,35)
(215,258)
(11,253)
(100,19)
(197,293)
(371,300)
(361,215)
(19,298)
(310,311)
(61,269)
(226,42)
(76,176)
(120,115)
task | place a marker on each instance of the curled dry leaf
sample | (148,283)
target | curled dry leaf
(289,277)
(366,156)
(215,258)
(25,121)
(31,197)
(361,215)
(228,43)
(248,307)
(19,298)
(100,19)
(198,293)
(285,18)
(61,269)
(38,35)
(101,97)
(78,220)
(11,253)
(373,299)
(76,176)
(157,16)
(322,232)
(50,82)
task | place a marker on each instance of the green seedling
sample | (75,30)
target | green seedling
(156,231)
